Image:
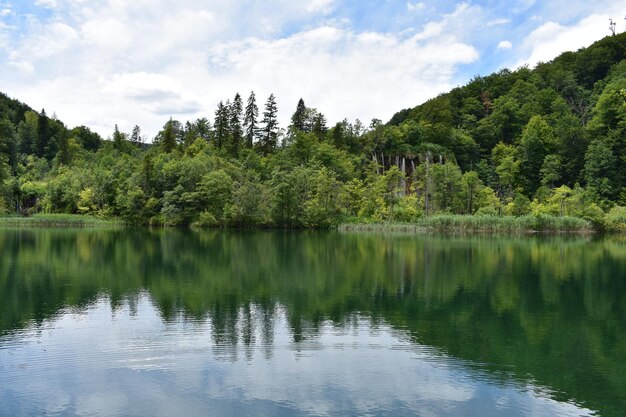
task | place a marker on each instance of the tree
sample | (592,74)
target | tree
(221,125)
(470,191)
(250,121)
(64,155)
(319,126)
(167,136)
(601,169)
(43,134)
(202,127)
(551,171)
(89,140)
(269,137)
(119,139)
(7,142)
(536,142)
(135,136)
(235,139)
(27,133)
(298,119)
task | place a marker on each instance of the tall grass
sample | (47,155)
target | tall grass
(56,220)
(480,224)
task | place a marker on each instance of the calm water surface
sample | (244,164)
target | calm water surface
(143,323)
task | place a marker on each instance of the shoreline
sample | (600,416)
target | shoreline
(529,224)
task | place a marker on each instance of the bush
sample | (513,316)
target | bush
(206,219)
(615,220)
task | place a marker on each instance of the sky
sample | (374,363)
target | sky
(139,62)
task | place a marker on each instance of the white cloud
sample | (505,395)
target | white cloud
(551,38)
(498,22)
(51,4)
(139,62)
(412,7)
(505,45)
(325,6)
(5,12)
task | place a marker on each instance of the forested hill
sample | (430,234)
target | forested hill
(549,140)
(536,124)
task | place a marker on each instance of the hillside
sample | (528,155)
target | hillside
(538,124)
(549,140)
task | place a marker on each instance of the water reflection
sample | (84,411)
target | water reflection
(136,323)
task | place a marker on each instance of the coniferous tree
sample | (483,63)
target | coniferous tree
(250,120)
(118,139)
(203,128)
(269,136)
(135,136)
(168,136)
(221,125)
(43,134)
(27,133)
(319,126)
(298,120)
(236,132)
(64,155)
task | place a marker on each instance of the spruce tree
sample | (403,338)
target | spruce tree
(118,139)
(270,126)
(135,136)
(250,120)
(298,120)
(221,125)
(43,134)
(168,136)
(319,126)
(236,132)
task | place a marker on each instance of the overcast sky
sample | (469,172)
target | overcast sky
(102,62)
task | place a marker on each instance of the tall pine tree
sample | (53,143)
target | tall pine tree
(236,132)
(269,136)
(298,120)
(221,125)
(250,120)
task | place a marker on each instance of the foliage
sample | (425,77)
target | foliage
(548,141)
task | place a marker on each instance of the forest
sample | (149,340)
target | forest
(546,141)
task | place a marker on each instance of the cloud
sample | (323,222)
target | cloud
(326,6)
(498,22)
(505,45)
(50,4)
(139,62)
(412,7)
(128,63)
(341,72)
(551,38)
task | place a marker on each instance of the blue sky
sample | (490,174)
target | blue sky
(107,62)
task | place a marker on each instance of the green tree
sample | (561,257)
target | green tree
(119,139)
(298,119)
(250,120)
(27,133)
(43,134)
(269,138)
(601,170)
(235,141)
(536,142)
(221,124)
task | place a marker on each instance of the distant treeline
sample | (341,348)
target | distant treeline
(544,141)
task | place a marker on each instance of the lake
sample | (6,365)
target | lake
(196,323)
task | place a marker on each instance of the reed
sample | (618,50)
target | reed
(480,224)
(57,220)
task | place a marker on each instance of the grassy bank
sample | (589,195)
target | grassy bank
(480,224)
(57,220)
